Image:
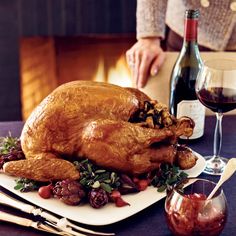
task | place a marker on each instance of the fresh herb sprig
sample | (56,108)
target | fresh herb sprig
(27,185)
(91,176)
(10,149)
(8,143)
(167,176)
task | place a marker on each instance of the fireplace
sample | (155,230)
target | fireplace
(47,62)
(44,43)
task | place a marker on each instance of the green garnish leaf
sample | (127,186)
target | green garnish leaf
(94,177)
(183,174)
(26,185)
(167,176)
(99,171)
(106,187)
(162,188)
(19,186)
(96,184)
(7,143)
(89,169)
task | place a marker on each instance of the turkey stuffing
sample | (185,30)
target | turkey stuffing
(117,128)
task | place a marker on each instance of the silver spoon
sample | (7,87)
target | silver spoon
(230,168)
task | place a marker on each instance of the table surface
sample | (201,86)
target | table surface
(151,221)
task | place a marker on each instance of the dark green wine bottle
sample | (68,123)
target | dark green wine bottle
(183,99)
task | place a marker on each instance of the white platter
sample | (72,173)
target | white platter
(108,214)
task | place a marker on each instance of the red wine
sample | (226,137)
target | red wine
(218,99)
(183,98)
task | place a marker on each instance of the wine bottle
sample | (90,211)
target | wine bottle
(183,99)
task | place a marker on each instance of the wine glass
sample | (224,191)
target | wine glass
(216,89)
(189,212)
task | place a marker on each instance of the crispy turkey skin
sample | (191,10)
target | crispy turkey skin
(86,119)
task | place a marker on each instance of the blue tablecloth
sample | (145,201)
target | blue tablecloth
(151,221)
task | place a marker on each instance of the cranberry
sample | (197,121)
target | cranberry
(143,184)
(45,191)
(115,194)
(120,202)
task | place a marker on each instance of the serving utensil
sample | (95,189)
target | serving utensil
(60,223)
(29,223)
(230,168)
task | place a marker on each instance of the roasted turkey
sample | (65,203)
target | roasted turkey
(98,121)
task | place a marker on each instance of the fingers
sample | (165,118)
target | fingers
(139,64)
(130,58)
(157,63)
(136,67)
(144,69)
(144,59)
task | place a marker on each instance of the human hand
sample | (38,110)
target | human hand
(144,59)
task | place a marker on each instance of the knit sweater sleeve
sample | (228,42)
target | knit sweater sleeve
(150,16)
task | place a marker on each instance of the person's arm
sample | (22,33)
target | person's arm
(146,56)
(150,18)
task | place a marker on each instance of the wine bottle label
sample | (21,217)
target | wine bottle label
(195,110)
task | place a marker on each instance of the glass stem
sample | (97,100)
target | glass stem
(218,136)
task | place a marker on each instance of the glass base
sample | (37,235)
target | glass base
(215,166)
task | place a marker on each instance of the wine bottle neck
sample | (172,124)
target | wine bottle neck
(190,45)
(190,30)
(190,49)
